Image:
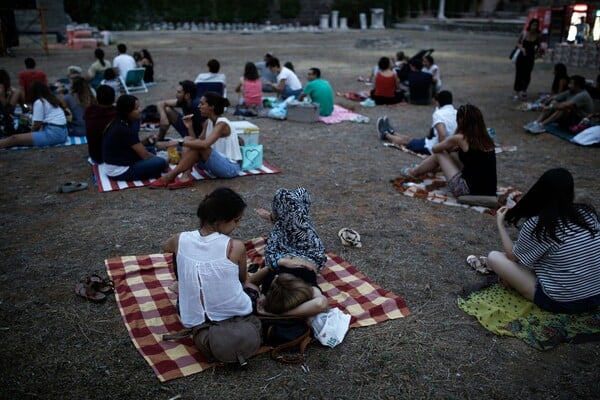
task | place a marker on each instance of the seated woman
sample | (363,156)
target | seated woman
(386,87)
(79,98)
(96,70)
(217,150)
(49,121)
(250,87)
(430,67)
(294,255)
(125,157)
(560,82)
(555,261)
(144,60)
(211,266)
(9,98)
(467,158)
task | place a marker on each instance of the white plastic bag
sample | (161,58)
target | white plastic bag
(330,327)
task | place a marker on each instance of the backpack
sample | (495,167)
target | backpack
(285,335)
(150,114)
(233,340)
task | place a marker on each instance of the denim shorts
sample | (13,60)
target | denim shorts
(418,146)
(220,166)
(458,186)
(544,302)
(49,135)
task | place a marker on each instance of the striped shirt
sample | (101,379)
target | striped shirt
(567,271)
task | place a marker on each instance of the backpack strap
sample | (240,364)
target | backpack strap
(298,358)
(186,332)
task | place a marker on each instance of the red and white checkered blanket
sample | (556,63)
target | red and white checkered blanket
(148,307)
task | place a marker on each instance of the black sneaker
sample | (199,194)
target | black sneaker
(381,127)
(389,128)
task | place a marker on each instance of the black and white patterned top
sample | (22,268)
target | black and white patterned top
(293,234)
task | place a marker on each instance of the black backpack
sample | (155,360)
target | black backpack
(284,336)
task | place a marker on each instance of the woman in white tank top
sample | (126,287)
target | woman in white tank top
(210,266)
(216,151)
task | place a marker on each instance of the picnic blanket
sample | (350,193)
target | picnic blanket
(148,307)
(435,189)
(498,149)
(106,184)
(556,130)
(587,137)
(505,312)
(71,141)
(341,114)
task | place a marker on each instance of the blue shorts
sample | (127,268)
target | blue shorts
(568,307)
(418,146)
(50,135)
(220,166)
(180,127)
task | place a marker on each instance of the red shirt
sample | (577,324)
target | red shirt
(27,77)
(385,86)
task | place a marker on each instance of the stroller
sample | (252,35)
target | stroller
(403,72)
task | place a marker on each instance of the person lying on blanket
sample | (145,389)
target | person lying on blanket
(467,158)
(49,121)
(217,150)
(443,125)
(555,261)
(125,157)
(209,265)
(294,255)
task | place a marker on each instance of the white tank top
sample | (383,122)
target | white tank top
(209,283)
(229,146)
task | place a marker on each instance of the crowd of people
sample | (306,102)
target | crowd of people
(549,263)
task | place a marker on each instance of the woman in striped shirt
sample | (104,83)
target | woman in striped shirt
(555,262)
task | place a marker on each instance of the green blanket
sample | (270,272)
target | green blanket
(505,312)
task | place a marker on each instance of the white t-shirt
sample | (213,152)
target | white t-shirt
(445,115)
(291,80)
(124,62)
(211,77)
(435,72)
(45,113)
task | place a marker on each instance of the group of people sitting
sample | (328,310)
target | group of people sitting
(570,101)
(414,80)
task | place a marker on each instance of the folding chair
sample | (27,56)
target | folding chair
(203,87)
(134,81)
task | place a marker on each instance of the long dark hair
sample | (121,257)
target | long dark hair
(99,54)
(222,204)
(560,73)
(551,200)
(39,90)
(125,105)
(83,92)
(471,125)
(250,71)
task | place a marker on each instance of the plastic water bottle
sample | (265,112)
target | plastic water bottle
(491,132)
(18,113)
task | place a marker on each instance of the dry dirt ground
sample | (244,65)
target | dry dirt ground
(57,346)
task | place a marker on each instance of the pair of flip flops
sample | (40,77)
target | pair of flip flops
(349,237)
(94,288)
(72,186)
(479,264)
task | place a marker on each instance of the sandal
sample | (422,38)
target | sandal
(479,264)
(105,286)
(69,187)
(88,292)
(405,173)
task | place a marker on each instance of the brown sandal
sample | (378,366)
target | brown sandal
(105,286)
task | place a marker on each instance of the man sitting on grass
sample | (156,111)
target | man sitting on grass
(443,125)
(566,108)
(319,91)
